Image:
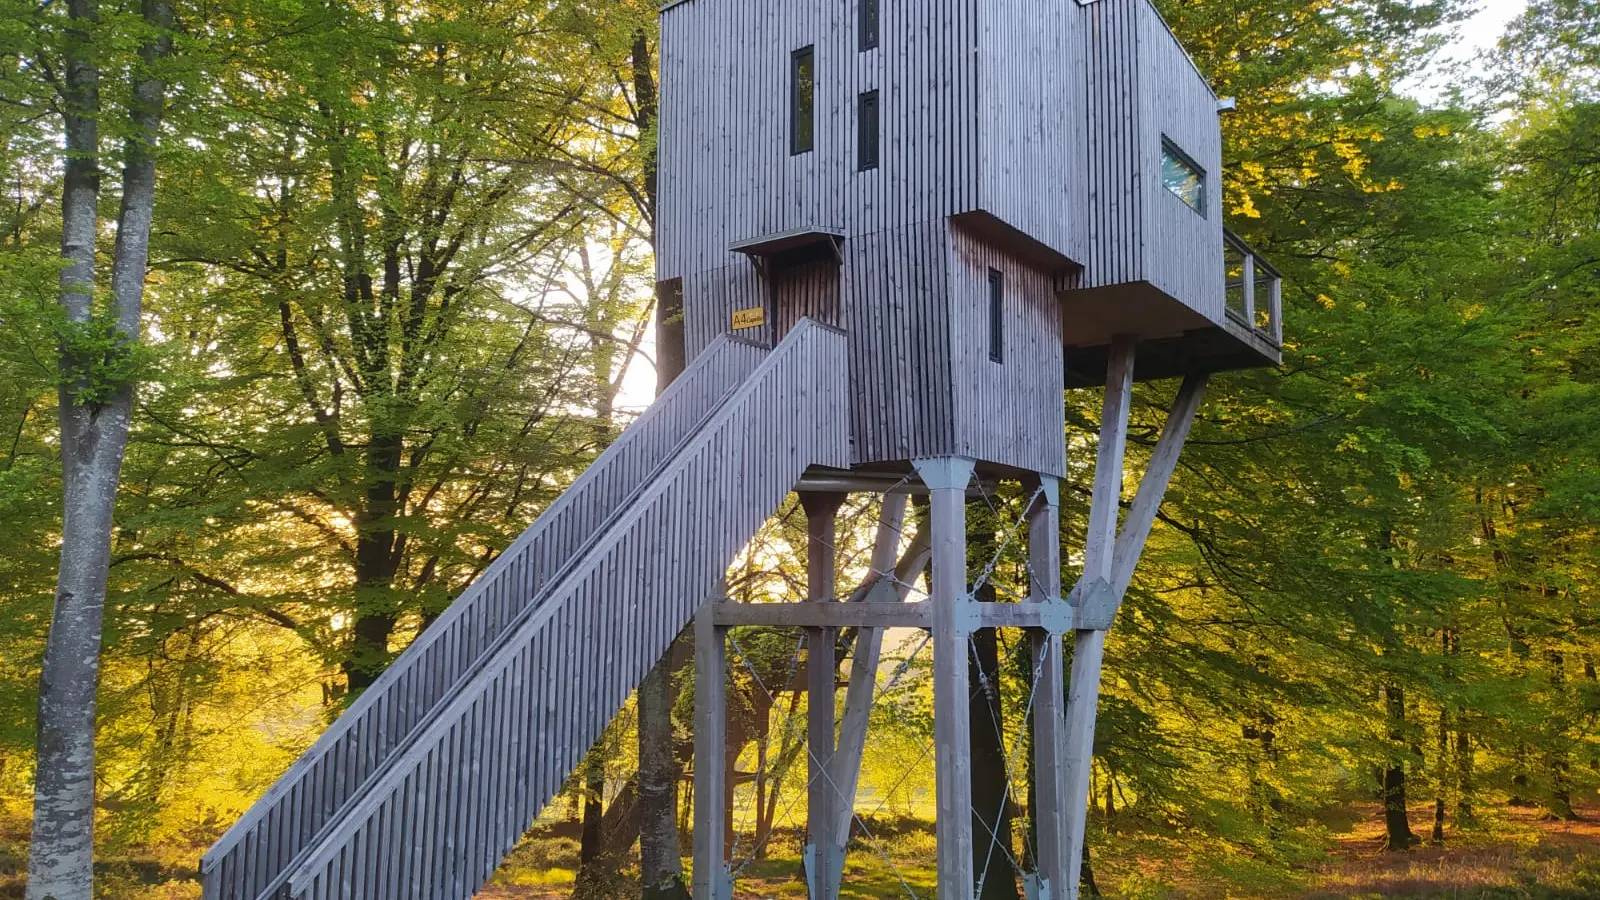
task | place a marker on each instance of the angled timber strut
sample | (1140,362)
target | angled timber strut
(896,247)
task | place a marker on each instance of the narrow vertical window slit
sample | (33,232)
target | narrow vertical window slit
(997,295)
(802,100)
(867,132)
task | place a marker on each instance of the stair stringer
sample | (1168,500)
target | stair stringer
(254,853)
(438,821)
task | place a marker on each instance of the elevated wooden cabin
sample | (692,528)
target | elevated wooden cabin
(980,194)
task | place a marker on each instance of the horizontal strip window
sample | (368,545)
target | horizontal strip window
(802,100)
(867,131)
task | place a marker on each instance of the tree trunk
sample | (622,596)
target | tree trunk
(660,867)
(1396,819)
(1464,780)
(991,800)
(1441,777)
(377,558)
(96,408)
(1086,885)
(1558,800)
(594,874)
(590,843)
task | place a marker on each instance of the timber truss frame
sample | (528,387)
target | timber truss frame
(1062,711)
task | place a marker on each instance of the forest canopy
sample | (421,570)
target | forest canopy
(400,294)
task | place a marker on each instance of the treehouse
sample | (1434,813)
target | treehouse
(980,195)
(897,231)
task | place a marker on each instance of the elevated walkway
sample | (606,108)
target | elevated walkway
(431,777)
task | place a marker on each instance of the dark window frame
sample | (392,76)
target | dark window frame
(997,316)
(868,24)
(1170,148)
(803,102)
(869,125)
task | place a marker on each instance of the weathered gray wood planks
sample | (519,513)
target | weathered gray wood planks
(516,726)
(256,850)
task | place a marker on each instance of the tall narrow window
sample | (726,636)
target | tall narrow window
(802,100)
(869,24)
(867,132)
(997,319)
(1182,177)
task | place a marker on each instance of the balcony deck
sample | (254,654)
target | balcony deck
(1177,340)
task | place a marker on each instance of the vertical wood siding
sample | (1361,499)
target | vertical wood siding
(1010,412)
(437,820)
(1141,86)
(981,106)
(808,290)
(341,764)
(1029,147)
(1115,175)
(1186,248)
(898,318)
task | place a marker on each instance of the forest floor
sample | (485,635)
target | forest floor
(1517,855)
(1521,855)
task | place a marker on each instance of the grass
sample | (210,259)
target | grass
(1515,856)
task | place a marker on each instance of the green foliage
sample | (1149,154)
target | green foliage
(98,360)
(401,273)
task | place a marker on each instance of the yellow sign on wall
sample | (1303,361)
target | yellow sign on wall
(754,317)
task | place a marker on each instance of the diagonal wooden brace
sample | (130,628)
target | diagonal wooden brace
(1083,689)
(1109,560)
(1097,600)
(868,651)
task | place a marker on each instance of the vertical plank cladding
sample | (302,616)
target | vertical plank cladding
(1010,412)
(710,297)
(1069,104)
(257,849)
(1115,175)
(1185,247)
(1028,149)
(897,316)
(627,589)
(808,290)
(727,171)
(1142,88)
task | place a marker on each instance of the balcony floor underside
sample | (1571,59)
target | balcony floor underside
(1174,340)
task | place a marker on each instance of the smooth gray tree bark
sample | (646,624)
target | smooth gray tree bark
(96,409)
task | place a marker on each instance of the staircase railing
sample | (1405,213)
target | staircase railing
(438,819)
(257,850)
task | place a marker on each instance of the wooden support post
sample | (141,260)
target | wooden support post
(947,481)
(1049,698)
(710,755)
(1084,689)
(822,512)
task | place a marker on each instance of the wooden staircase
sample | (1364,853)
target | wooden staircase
(433,775)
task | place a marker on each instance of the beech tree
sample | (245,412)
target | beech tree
(98,333)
